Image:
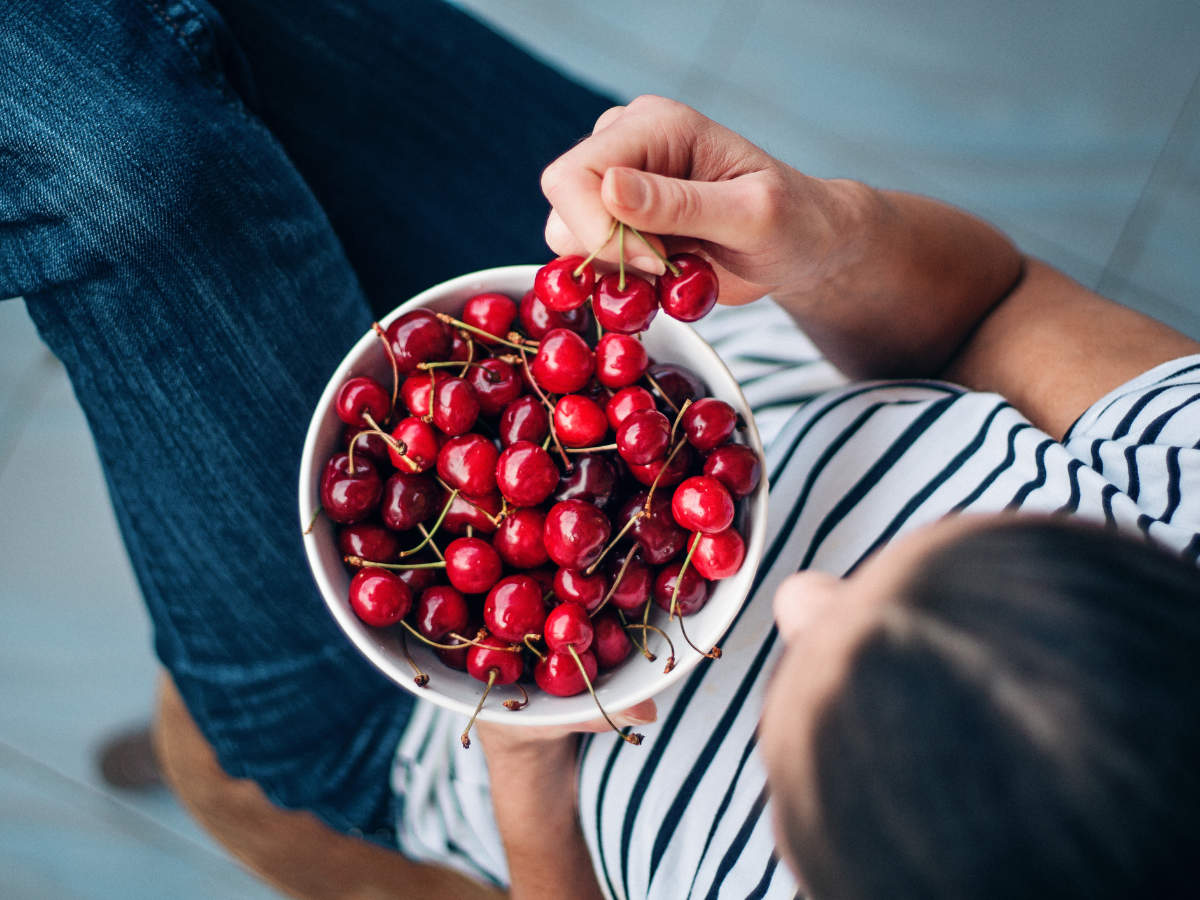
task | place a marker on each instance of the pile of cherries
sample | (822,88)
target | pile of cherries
(533,481)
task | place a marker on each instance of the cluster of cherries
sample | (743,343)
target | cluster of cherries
(534,481)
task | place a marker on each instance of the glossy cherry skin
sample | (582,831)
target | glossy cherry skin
(495,654)
(525,419)
(559,674)
(626,401)
(620,360)
(658,535)
(736,466)
(441,610)
(349,496)
(575,533)
(693,592)
(455,406)
(518,540)
(416,390)
(678,382)
(361,395)
(610,642)
(378,597)
(564,362)
(633,590)
(578,421)
(418,337)
(717,555)
(568,625)
(366,443)
(468,462)
(557,285)
(586,591)
(493,313)
(525,474)
(368,541)
(456,658)
(593,478)
(537,320)
(625,310)
(708,423)
(418,580)
(643,437)
(673,472)
(472,565)
(496,384)
(460,347)
(692,293)
(477,512)
(701,503)
(514,608)
(420,445)
(408,500)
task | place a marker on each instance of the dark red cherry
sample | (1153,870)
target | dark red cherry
(633,589)
(418,580)
(472,565)
(440,610)
(537,320)
(366,443)
(460,346)
(514,608)
(408,500)
(378,597)
(693,592)
(593,478)
(518,540)
(359,396)
(496,384)
(708,423)
(578,421)
(495,654)
(575,533)
(368,541)
(643,437)
(610,642)
(679,383)
(478,513)
(568,625)
(525,419)
(418,337)
(525,474)
(457,657)
(455,406)
(350,496)
(717,555)
(620,360)
(701,503)
(493,313)
(564,362)
(675,471)
(658,535)
(559,674)
(557,285)
(736,466)
(572,586)
(625,310)
(625,401)
(692,293)
(468,462)
(420,446)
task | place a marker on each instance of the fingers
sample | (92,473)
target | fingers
(640,714)
(607,117)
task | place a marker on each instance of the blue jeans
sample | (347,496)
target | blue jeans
(203,206)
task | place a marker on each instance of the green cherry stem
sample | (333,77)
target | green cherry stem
(620,572)
(432,531)
(633,738)
(391,355)
(433,544)
(658,387)
(620,534)
(621,264)
(458,323)
(465,737)
(658,477)
(597,449)
(674,270)
(360,562)
(317,512)
(670,643)
(579,269)
(687,561)
(419,676)
(679,418)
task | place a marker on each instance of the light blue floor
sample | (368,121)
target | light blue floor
(1074,126)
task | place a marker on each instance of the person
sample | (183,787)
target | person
(202,215)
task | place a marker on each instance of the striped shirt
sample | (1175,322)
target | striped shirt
(851,466)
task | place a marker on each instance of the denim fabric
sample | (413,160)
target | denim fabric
(202,205)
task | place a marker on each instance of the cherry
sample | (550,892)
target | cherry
(525,419)
(359,396)
(456,658)
(514,608)
(559,674)
(693,590)
(678,383)
(610,642)
(489,653)
(518,540)
(460,346)
(673,472)
(578,421)
(564,363)
(657,534)
(525,474)
(478,513)
(455,406)
(568,625)
(575,533)
(626,310)
(349,496)
(418,337)
(557,285)
(366,443)
(440,610)
(370,542)
(418,580)
(493,313)
(537,320)
(420,445)
(633,590)
(625,401)
(701,503)
(378,597)
(735,466)
(574,587)
(472,565)
(496,385)
(416,389)
(708,423)
(468,462)
(717,555)
(593,479)
(620,360)
(692,293)
(643,437)
(408,500)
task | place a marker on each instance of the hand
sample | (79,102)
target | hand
(665,169)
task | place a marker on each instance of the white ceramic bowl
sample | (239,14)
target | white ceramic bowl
(667,340)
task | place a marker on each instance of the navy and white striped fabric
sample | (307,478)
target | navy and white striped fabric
(851,466)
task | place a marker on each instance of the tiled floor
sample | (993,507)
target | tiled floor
(1074,126)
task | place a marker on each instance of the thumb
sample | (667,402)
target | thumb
(709,210)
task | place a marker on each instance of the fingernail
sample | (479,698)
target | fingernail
(631,190)
(649,264)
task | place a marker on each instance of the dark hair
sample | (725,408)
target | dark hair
(1022,723)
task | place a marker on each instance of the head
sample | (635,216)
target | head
(994,708)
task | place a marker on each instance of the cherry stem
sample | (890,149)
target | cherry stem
(421,678)
(397,446)
(532,637)
(391,355)
(597,449)
(430,642)
(714,653)
(465,737)
(466,365)
(674,270)
(633,738)
(317,512)
(458,323)
(679,418)
(550,419)
(447,363)
(495,520)
(616,581)
(437,551)
(621,257)
(436,525)
(579,269)
(620,534)
(516,705)
(643,648)
(360,562)
(670,643)
(687,561)
(658,477)
(658,387)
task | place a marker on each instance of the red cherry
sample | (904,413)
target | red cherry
(585,591)
(494,654)
(736,466)
(593,478)
(620,360)
(678,382)
(610,642)
(525,474)
(575,533)
(633,590)
(478,513)
(559,674)
(468,462)
(626,310)
(420,445)
(416,389)
(496,384)
(692,293)
(514,608)
(455,406)
(708,423)
(472,565)
(518,540)
(537,320)
(493,313)
(460,349)
(578,421)
(418,580)
(718,555)
(557,285)
(693,592)
(568,625)
(564,363)
(456,658)
(370,542)
(362,395)
(643,437)
(525,419)
(440,610)
(658,535)
(349,496)
(378,597)
(701,503)
(408,500)
(672,473)
(625,401)
(366,443)
(418,337)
